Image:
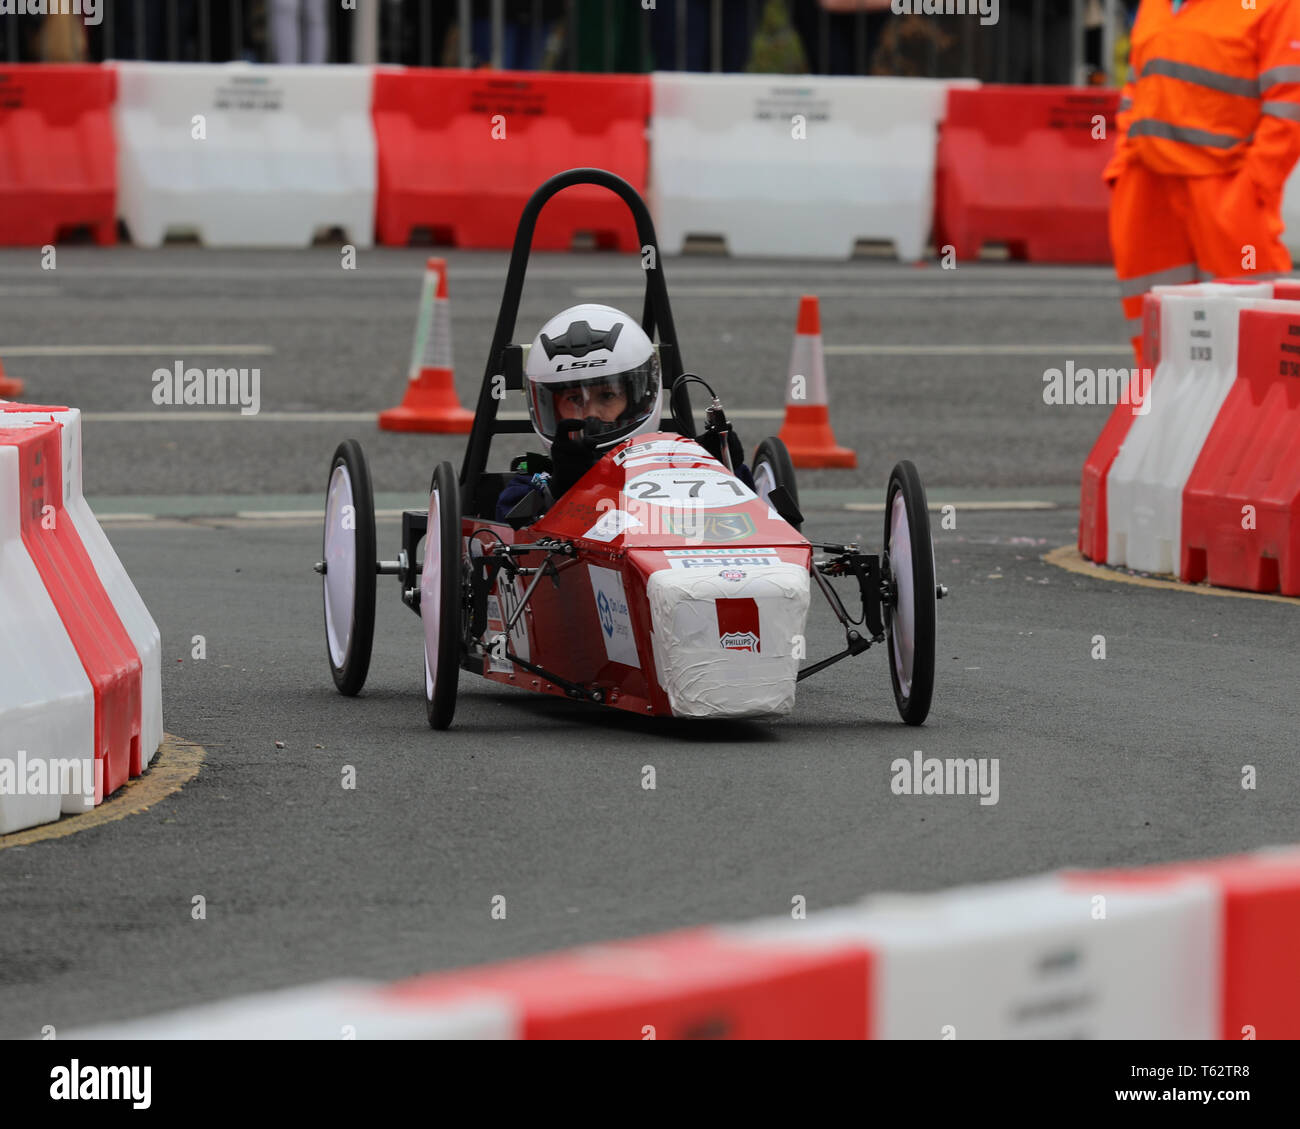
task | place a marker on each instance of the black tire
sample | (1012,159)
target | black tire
(772,454)
(440,598)
(348,586)
(911,574)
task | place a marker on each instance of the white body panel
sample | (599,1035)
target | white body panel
(707,676)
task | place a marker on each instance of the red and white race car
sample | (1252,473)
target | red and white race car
(660,583)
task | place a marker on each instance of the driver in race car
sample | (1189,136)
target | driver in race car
(593,380)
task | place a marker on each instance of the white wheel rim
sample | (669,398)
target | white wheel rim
(340,565)
(903,617)
(431,594)
(764,480)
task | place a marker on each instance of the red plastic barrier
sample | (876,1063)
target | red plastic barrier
(58,153)
(97,634)
(460,152)
(699,984)
(1020,165)
(1260,992)
(1092,496)
(1251,458)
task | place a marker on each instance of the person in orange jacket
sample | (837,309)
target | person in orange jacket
(1209,130)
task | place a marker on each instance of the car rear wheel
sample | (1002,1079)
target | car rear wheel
(910,613)
(440,598)
(349,569)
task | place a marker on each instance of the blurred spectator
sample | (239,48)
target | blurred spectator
(835,52)
(524,39)
(298,31)
(697,35)
(610,37)
(62,39)
(419,34)
(776,48)
(916,47)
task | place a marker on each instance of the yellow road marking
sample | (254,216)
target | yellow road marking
(177,763)
(1069,558)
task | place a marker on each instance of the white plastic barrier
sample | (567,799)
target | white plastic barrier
(1198,363)
(1059,956)
(47,705)
(795,165)
(112,574)
(333,1009)
(1291,215)
(284,152)
(1036,958)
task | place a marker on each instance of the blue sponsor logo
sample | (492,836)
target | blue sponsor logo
(606,614)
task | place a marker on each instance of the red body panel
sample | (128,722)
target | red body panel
(648,497)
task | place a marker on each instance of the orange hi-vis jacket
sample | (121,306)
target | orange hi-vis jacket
(1213,87)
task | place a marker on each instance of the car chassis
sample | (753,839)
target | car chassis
(902,615)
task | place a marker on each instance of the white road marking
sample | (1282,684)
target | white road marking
(393,515)
(184,415)
(977,350)
(617,266)
(232,415)
(7,351)
(28,291)
(879,507)
(900,290)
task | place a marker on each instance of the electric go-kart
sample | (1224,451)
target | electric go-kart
(660,583)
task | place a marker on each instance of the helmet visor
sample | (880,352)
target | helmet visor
(610,405)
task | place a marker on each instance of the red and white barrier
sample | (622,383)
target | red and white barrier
(1189,951)
(1241,504)
(83,607)
(1207,469)
(80,656)
(108,567)
(1198,361)
(47,706)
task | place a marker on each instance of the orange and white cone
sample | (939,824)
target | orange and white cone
(807,427)
(430,402)
(8,385)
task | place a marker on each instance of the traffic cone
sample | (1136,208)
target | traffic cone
(807,427)
(430,402)
(8,385)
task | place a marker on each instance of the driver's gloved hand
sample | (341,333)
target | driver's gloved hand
(711,441)
(573,453)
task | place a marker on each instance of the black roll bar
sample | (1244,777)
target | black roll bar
(656,314)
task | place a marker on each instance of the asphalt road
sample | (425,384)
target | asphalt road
(1134,758)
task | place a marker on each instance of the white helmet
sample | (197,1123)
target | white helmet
(596,364)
